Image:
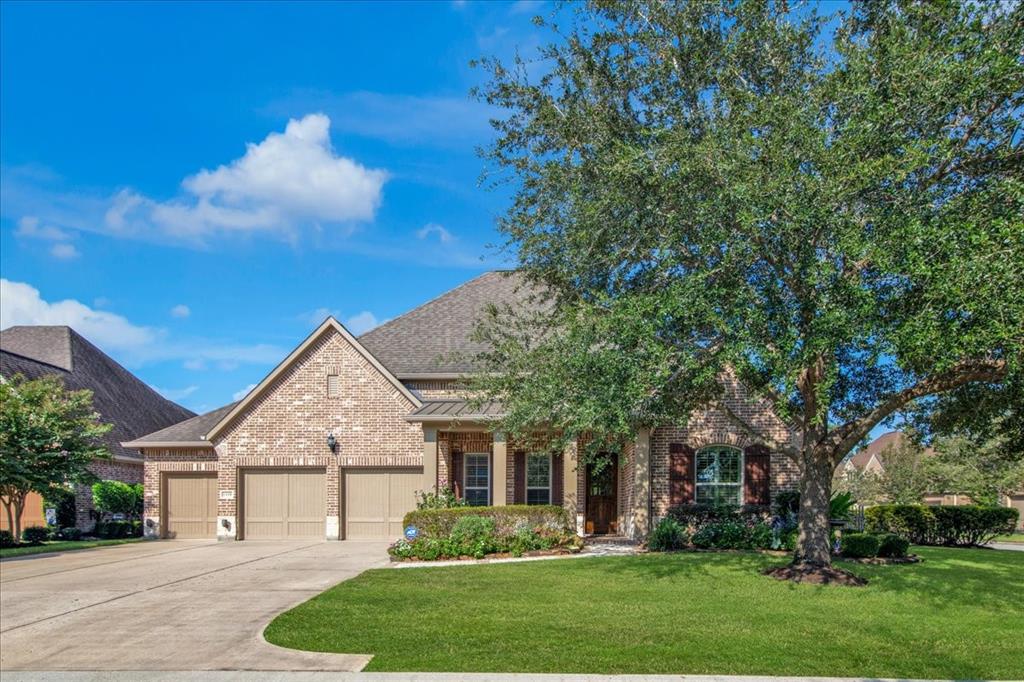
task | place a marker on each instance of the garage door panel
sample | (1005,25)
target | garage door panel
(284,504)
(377,500)
(191,506)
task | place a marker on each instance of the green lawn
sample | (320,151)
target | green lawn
(959,614)
(61,546)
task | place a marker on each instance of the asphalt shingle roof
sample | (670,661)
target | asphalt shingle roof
(119,396)
(423,340)
(192,430)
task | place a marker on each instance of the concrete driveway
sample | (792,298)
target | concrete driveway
(170,605)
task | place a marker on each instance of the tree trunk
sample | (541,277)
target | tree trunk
(10,517)
(19,509)
(813,548)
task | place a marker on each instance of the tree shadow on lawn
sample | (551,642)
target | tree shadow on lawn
(946,577)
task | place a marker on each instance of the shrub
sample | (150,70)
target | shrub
(118,497)
(787,502)
(6,539)
(478,531)
(115,530)
(70,533)
(892,545)
(61,499)
(35,534)
(443,498)
(668,535)
(438,523)
(693,517)
(954,526)
(859,545)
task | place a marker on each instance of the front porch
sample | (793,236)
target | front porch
(461,452)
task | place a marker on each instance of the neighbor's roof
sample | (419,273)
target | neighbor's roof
(119,396)
(189,433)
(424,341)
(455,410)
(878,447)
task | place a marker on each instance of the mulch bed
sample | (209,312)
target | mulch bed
(816,575)
(884,561)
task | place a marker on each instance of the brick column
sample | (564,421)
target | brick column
(332,524)
(499,471)
(570,483)
(641,524)
(429,459)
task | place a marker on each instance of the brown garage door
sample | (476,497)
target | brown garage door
(377,499)
(282,504)
(190,504)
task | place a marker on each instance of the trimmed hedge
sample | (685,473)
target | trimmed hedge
(952,526)
(693,517)
(70,533)
(6,539)
(439,523)
(860,545)
(667,536)
(115,530)
(892,546)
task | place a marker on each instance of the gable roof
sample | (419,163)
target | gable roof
(421,342)
(119,396)
(878,447)
(330,324)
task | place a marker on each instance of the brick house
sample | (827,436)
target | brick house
(121,399)
(337,439)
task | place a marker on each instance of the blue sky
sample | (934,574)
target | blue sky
(195,186)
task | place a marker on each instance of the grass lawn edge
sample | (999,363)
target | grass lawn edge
(62,546)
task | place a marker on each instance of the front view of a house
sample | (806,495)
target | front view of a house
(336,441)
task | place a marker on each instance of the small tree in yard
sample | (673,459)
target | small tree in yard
(829,211)
(48,437)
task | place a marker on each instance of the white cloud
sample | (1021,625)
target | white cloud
(361,322)
(195,364)
(130,343)
(314,318)
(181,310)
(238,395)
(64,251)
(443,235)
(31,227)
(175,393)
(22,304)
(288,180)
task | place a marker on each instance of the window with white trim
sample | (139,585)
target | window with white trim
(538,479)
(719,475)
(476,479)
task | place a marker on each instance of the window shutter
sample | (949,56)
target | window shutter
(757,463)
(456,473)
(519,495)
(557,480)
(680,474)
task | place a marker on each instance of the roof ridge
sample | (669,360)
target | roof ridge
(440,296)
(35,360)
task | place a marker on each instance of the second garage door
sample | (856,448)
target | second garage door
(190,506)
(377,499)
(280,504)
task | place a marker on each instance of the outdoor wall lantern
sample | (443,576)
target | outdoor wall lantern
(332,442)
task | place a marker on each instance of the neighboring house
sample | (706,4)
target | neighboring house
(338,438)
(872,457)
(119,397)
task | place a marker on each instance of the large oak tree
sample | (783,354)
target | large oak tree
(829,207)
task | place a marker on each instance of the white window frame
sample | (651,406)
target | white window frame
(696,473)
(526,475)
(465,473)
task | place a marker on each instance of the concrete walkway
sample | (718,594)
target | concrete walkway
(223,676)
(170,605)
(1012,546)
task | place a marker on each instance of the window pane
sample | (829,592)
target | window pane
(477,475)
(728,466)
(538,496)
(719,472)
(476,497)
(538,471)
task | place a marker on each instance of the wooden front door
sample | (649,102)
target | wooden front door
(602,498)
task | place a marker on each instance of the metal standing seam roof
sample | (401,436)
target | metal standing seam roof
(455,410)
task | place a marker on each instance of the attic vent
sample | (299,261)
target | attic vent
(333,386)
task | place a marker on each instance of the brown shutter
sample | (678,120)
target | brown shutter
(757,478)
(457,473)
(680,474)
(519,476)
(557,480)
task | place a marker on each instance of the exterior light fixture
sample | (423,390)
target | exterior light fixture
(332,442)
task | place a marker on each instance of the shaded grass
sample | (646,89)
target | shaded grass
(960,614)
(61,546)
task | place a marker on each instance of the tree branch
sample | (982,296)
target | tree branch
(844,438)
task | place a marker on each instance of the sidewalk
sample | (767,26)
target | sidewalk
(251,676)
